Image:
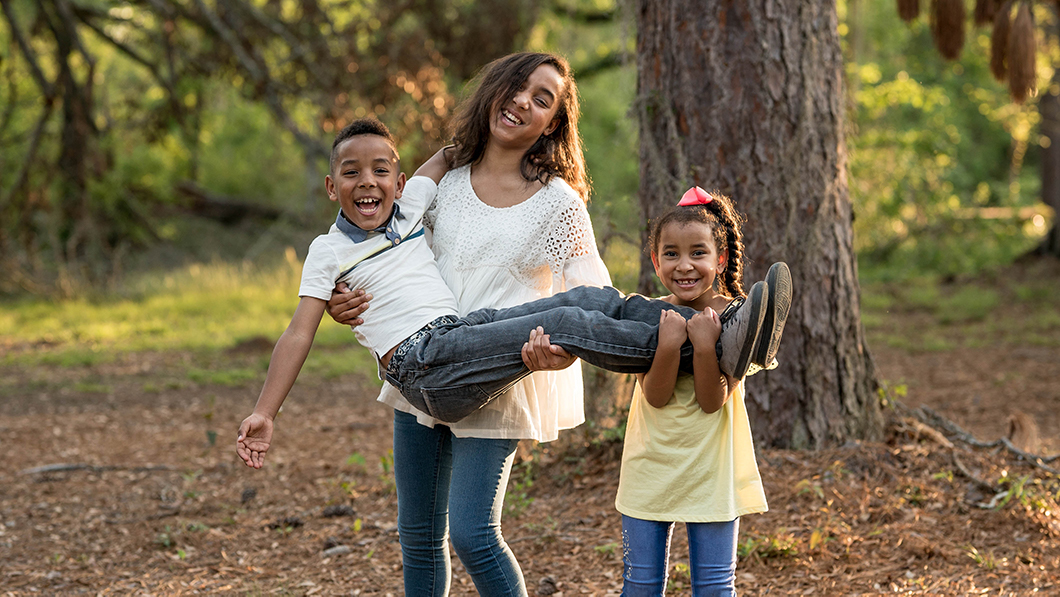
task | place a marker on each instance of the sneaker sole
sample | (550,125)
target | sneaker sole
(778,303)
(756,302)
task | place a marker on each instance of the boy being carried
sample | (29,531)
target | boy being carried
(445,365)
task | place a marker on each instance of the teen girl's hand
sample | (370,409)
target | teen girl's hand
(254,439)
(346,306)
(541,355)
(704,329)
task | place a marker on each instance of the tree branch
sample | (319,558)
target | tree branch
(31,155)
(584,16)
(45,85)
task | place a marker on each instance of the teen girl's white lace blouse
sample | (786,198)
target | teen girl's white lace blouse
(501,257)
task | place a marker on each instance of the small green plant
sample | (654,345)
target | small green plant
(946,475)
(356,459)
(914,495)
(517,499)
(386,462)
(889,394)
(680,579)
(1025,491)
(164,539)
(607,549)
(348,487)
(211,434)
(808,486)
(780,545)
(983,560)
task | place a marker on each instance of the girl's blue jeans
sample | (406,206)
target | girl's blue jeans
(443,479)
(646,554)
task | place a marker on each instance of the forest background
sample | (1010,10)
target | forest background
(159,188)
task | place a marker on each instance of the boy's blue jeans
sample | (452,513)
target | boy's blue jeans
(646,553)
(457,368)
(443,479)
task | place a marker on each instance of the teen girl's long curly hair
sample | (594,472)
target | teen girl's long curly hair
(725,223)
(557,154)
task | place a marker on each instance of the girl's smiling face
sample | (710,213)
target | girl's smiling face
(687,260)
(531,112)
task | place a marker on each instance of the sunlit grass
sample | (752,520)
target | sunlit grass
(927,314)
(201,308)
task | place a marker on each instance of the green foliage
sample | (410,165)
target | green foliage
(780,545)
(517,499)
(939,162)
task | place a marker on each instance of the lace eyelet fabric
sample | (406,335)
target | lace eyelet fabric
(547,230)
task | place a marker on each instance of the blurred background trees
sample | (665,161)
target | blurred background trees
(138,137)
(122,119)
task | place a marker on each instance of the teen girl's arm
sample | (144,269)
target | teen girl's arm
(713,388)
(255,433)
(658,383)
(436,166)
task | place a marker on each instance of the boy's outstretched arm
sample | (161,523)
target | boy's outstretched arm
(436,166)
(255,432)
(659,382)
(713,388)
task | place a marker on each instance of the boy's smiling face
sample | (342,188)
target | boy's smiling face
(366,180)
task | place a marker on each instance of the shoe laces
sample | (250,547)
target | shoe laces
(728,314)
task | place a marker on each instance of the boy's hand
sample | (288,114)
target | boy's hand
(254,439)
(672,330)
(539,354)
(346,306)
(704,329)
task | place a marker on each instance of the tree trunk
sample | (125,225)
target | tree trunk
(746,97)
(1049,109)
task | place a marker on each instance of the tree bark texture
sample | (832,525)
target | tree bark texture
(1049,108)
(746,97)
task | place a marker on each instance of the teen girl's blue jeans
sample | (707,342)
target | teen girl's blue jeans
(646,554)
(443,479)
(455,368)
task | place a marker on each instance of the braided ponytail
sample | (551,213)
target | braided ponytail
(725,223)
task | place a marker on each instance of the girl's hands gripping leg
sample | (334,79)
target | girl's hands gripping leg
(254,439)
(713,387)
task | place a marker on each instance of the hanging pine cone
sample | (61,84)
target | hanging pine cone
(985,10)
(947,27)
(909,10)
(999,42)
(1022,51)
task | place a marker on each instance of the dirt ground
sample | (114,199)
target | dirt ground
(147,497)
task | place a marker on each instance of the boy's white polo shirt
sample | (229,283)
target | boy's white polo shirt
(407,290)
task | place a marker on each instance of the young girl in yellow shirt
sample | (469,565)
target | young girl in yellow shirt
(688,454)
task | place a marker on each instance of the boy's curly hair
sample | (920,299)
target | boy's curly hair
(725,224)
(361,126)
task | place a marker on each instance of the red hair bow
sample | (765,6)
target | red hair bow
(695,196)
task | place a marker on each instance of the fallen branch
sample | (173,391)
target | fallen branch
(80,466)
(968,474)
(938,420)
